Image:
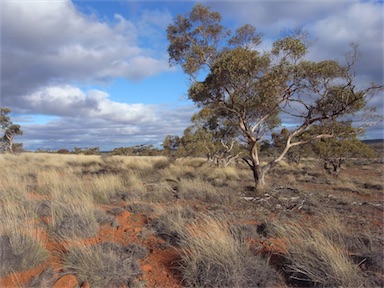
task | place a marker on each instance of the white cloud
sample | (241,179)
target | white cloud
(361,23)
(57,44)
(334,25)
(119,112)
(103,130)
(70,101)
(47,46)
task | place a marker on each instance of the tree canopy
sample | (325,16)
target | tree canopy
(249,91)
(9,129)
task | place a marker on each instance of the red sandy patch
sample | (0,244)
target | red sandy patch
(67,281)
(18,279)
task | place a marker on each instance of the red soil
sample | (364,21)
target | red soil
(158,267)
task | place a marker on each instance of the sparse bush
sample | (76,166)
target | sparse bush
(214,255)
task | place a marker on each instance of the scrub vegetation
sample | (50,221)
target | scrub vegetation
(130,221)
(221,206)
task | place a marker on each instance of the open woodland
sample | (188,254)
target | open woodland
(302,210)
(126,221)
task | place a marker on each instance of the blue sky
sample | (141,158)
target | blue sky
(96,73)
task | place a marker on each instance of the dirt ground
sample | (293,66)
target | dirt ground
(301,196)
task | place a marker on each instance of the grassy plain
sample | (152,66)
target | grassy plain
(124,221)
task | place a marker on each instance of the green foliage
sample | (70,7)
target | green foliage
(295,153)
(196,141)
(92,151)
(145,150)
(171,144)
(87,151)
(122,151)
(344,144)
(200,35)
(343,148)
(9,129)
(334,150)
(138,150)
(245,92)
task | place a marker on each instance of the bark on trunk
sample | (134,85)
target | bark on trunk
(259,177)
(259,171)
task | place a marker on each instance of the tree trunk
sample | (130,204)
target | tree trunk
(259,176)
(10,142)
(258,171)
(335,168)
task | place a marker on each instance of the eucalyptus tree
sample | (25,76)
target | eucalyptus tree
(9,129)
(252,90)
(335,150)
(171,144)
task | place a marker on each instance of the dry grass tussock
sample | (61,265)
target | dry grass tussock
(318,257)
(72,212)
(215,255)
(197,189)
(142,163)
(21,245)
(105,187)
(105,264)
(63,193)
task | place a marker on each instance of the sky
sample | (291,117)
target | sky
(96,73)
